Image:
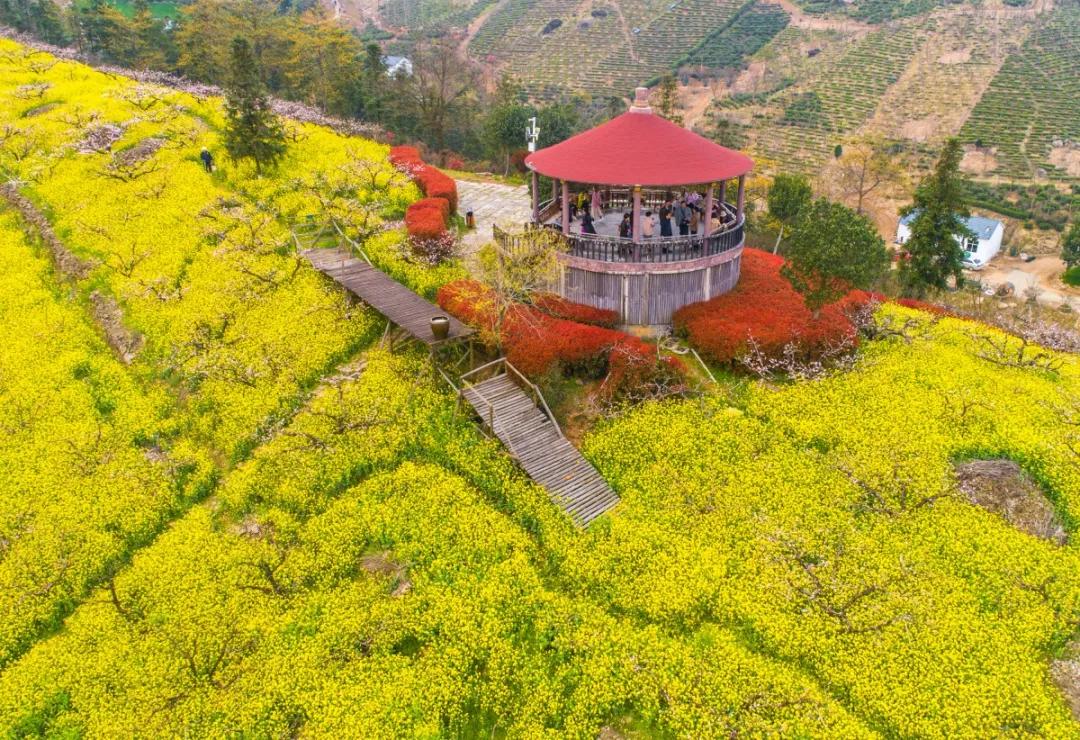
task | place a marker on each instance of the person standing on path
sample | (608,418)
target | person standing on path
(665,218)
(207,160)
(597,205)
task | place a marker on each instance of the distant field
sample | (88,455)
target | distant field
(604,48)
(1029,118)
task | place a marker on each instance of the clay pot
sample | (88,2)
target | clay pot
(440,327)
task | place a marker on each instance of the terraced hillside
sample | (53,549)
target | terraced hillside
(802,123)
(605,48)
(1029,118)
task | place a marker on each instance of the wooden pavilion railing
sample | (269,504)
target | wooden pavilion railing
(653,250)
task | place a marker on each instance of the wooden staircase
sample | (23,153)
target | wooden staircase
(524,424)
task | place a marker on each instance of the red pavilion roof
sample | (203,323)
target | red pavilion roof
(639,148)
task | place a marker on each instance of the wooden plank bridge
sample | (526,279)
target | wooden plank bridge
(508,404)
(522,421)
(387,296)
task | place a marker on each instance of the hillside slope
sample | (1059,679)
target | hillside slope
(266,525)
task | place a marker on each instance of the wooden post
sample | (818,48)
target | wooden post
(742,198)
(723,191)
(635,215)
(565,208)
(708,209)
(536,196)
(554,190)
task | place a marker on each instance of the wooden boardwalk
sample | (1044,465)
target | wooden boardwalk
(387,296)
(539,446)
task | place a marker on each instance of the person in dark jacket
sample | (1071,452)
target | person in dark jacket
(587,223)
(207,159)
(665,218)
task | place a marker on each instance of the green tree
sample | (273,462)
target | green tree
(557,122)
(668,101)
(147,38)
(939,227)
(832,251)
(788,195)
(1070,245)
(252,130)
(505,122)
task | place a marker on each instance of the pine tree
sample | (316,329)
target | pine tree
(939,227)
(252,131)
(669,99)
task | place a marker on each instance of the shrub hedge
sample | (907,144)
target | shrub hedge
(427,218)
(433,182)
(764,307)
(539,344)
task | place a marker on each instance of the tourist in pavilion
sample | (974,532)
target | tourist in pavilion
(665,218)
(587,223)
(648,225)
(681,214)
(626,226)
(597,205)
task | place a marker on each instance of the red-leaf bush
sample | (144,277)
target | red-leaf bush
(539,344)
(427,218)
(763,306)
(560,308)
(432,182)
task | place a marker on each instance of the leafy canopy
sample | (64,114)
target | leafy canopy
(1070,245)
(833,250)
(788,195)
(939,226)
(253,131)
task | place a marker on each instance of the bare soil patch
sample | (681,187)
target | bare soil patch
(1002,487)
(381,563)
(957,56)
(1065,673)
(1066,158)
(979,161)
(920,130)
(107,313)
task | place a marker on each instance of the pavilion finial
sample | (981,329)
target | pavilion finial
(641,101)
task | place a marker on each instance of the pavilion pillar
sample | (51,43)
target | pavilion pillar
(565,207)
(536,196)
(707,219)
(635,215)
(742,197)
(554,190)
(723,191)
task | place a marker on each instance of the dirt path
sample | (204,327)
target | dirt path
(478,23)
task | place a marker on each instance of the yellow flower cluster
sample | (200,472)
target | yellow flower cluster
(788,560)
(823,522)
(357,577)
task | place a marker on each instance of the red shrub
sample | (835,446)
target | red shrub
(435,184)
(537,343)
(427,218)
(561,308)
(764,306)
(432,182)
(403,155)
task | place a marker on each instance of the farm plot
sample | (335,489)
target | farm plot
(89,460)
(1029,118)
(838,99)
(729,47)
(602,48)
